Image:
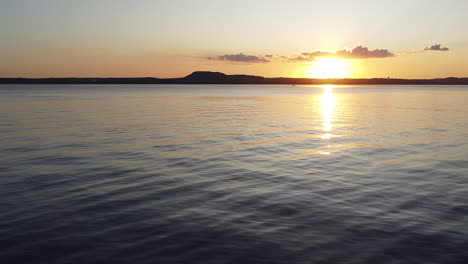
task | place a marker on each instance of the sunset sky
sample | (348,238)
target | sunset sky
(172,38)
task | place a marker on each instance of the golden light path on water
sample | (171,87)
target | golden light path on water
(327,107)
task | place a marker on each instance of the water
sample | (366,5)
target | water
(233,174)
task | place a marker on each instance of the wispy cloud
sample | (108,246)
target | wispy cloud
(309,56)
(436,47)
(358,52)
(240,58)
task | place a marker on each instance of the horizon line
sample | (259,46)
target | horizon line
(237,74)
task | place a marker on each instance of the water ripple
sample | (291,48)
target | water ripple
(230,174)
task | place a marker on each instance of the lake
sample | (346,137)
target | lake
(233,174)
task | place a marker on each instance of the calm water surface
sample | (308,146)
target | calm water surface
(233,174)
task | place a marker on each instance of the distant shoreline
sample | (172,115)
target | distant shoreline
(221,78)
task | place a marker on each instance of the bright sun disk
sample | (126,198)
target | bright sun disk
(324,68)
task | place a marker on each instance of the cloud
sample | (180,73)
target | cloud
(240,58)
(309,56)
(316,54)
(361,52)
(299,59)
(436,47)
(358,52)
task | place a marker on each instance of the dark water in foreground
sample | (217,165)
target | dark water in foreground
(233,174)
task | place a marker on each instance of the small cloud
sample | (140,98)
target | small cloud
(316,54)
(269,56)
(415,51)
(436,47)
(299,59)
(240,58)
(309,56)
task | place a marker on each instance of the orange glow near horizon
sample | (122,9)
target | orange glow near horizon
(324,68)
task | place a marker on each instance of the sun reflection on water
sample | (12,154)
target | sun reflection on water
(327,107)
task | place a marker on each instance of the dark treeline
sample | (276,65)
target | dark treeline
(221,78)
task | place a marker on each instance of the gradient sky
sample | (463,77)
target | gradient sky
(172,38)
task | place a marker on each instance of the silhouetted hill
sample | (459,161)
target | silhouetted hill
(205,77)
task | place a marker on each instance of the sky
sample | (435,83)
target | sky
(172,38)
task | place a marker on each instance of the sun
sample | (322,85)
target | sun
(324,68)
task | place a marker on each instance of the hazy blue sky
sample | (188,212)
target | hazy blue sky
(173,38)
